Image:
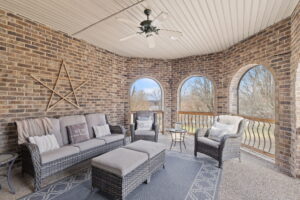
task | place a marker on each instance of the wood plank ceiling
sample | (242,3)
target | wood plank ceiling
(207,25)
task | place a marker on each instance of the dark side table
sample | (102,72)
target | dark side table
(8,159)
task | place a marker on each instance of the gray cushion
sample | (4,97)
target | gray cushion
(67,121)
(120,161)
(59,153)
(78,133)
(95,119)
(56,131)
(209,142)
(145,115)
(231,120)
(141,132)
(89,144)
(112,138)
(151,148)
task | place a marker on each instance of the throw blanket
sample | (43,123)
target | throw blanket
(33,127)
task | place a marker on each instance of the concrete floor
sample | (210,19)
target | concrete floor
(252,179)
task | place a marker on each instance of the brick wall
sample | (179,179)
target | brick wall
(295,76)
(27,47)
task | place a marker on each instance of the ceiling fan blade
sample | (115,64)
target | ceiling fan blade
(173,35)
(160,18)
(151,42)
(128,37)
(127,21)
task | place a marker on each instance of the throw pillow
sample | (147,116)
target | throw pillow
(45,142)
(101,131)
(228,127)
(144,125)
(78,133)
(217,133)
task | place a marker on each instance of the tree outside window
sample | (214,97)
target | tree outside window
(145,94)
(197,95)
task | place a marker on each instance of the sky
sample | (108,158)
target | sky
(146,84)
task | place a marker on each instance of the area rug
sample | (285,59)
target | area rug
(184,178)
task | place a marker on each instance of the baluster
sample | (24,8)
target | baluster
(250,138)
(258,134)
(263,133)
(192,119)
(245,133)
(254,138)
(269,137)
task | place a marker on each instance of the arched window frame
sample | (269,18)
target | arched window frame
(185,80)
(157,82)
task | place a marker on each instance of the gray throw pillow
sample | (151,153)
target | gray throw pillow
(78,133)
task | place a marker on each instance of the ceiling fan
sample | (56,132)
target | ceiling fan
(149,28)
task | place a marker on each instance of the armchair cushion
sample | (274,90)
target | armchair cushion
(231,120)
(144,125)
(142,132)
(208,142)
(217,134)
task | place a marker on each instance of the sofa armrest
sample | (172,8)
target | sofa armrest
(117,129)
(35,156)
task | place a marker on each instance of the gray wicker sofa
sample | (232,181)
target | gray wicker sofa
(43,165)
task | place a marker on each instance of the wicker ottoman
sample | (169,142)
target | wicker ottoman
(155,151)
(120,171)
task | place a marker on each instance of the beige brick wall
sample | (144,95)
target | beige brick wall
(27,47)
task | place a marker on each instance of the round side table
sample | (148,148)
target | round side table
(8,159)
(177,135)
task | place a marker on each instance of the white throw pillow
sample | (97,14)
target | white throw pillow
(144,125)
(45,142)
(230,128)
(101,131)
(217,133)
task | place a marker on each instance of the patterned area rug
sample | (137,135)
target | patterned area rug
(185,178)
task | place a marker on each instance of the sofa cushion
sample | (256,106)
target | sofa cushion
(151,148)
(67,121)
(120,161)
(89,144)
(209,142)
(141,132)
(78,133)
(95,119)
(59,153)
(56,131)
(112,138)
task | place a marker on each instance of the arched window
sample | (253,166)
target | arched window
(256,93)
(196,95)
(145,94)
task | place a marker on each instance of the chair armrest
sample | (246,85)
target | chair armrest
(230,140)
(35,155)
(117,129)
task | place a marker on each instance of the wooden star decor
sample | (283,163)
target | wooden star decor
(51,105)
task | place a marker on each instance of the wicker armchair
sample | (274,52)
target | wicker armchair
(228,147)
(151,135)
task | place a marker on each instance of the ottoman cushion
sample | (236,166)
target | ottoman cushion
(150,148)
(120,161)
